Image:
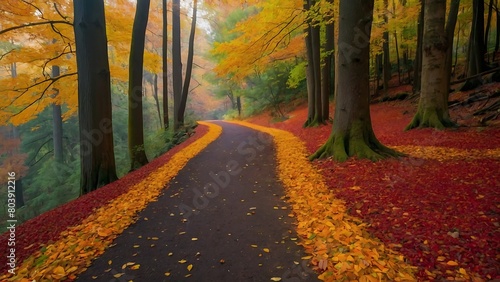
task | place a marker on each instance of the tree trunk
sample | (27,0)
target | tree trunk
(497,38)
(312,87)
(94,96)
(488,25)
(13,70)
(155,96)
(311,97)
(57,124)
(176,59)
(352,133)
(387,61)
(238,105)
(417,79)
(450,33)
(477,48)
(433,104)
(136,64)
(19,192)
(165,65)
(327,70)
(396,44)
(316,45)
(189,68)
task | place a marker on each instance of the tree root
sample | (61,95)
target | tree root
(430,117)
(359,142)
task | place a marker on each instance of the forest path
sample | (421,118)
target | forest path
(222,218)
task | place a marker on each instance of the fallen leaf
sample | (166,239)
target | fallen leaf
(182,261)
(266,250)
(189,267)
(276,279)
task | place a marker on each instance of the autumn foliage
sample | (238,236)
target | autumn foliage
(436,206)
(61,243)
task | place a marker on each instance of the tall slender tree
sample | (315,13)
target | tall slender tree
(477,47)
(433,104)
(94,96)
(57,133)
(165,63)
(417,71)
(313,46)
(328,69)
(136,61)
(176,59)
(189,68)
(352,133)
(386,69)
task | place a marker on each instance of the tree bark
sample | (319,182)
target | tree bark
(155,96)
(313,46)
(387,72)
(433,104)
(488,25)
(497,38)
(57,132)
(417,79)
(450,34)
(477,47)
(136,148)
(165,65)
(352,133)
(316,45)
(238,105)
(94,96)
(189,68)
(328,69)
(311,97)
(176,59)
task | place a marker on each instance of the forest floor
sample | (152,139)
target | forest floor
(440,206)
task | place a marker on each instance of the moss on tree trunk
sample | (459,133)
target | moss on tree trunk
(357,141)
(352,133)
(433,104)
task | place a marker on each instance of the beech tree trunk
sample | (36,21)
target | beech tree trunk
(477,47)
(189,68)
(313,46)
(497,38)
(488,26)
(417,78)
(57,132)
(352,133)
(387,72)
(136,148)
(165,65)
(176,59)
(155,96)
(328,70)
(433,104)
(94,96)
(450,34)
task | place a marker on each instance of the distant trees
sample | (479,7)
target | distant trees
(94,96)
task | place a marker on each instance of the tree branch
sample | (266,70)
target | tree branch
(26,89)
(33,24)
